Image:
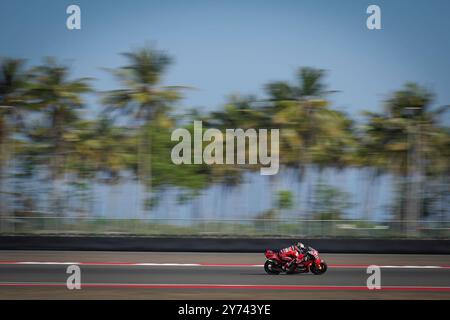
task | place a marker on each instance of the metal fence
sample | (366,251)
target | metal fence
(45,225)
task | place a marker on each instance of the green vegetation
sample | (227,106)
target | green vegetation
(45,137)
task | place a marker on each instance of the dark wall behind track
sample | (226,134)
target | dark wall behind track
(192,244)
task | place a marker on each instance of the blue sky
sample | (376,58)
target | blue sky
(223,47)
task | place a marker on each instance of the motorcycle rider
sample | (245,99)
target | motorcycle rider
(292,253)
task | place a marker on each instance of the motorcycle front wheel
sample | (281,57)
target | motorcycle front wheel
(270,267)
(319,270)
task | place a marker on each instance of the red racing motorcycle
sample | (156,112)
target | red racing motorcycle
(313,263)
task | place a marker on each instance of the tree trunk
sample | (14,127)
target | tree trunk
(144,159)
(368,199)
(4,160)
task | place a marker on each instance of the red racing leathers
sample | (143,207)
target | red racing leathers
(289,254)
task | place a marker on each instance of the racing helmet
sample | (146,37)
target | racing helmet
(300,246)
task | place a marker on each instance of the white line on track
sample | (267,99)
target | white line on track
(225,286)
(151,264)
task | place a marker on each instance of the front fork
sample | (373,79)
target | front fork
(318,263)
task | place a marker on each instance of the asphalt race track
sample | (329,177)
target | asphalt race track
(146,275)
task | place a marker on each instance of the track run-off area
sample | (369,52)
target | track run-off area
(151,275)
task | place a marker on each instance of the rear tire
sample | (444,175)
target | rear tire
(268,267)
(318,271)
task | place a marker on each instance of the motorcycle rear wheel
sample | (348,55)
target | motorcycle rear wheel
(268,267)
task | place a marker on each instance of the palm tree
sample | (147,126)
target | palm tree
(239,112)
(12,106)
(99,147)
(99,151)
(400,140)
(299,110)
(59,100)
(143,98)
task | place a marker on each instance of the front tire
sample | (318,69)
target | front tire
(269,267)
(319,270)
